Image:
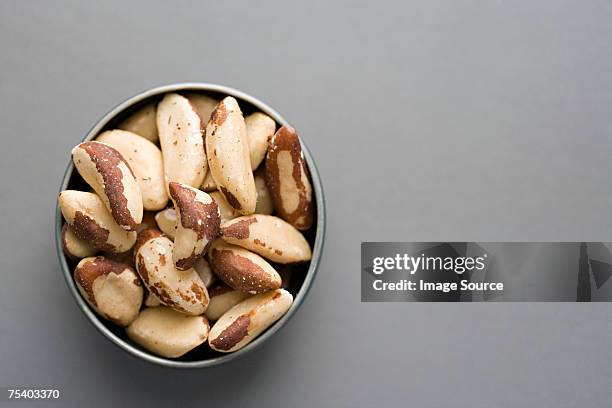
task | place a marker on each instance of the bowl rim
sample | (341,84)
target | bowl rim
(317,249)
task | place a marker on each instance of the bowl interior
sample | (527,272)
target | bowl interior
(296,278)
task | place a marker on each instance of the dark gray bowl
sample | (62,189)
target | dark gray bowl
(301,278)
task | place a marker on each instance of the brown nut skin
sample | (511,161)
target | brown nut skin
(287,179)
(142,122)
(88,217)
(268,236)
(111,177)
(245,321)
(222,299)
(166,332)
(73,246)
(241,269)
(260,128)
(111,288)
(145,160)
(228,156)
(181,140)
(182,291)
(198,221)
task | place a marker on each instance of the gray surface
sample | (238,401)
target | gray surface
(473,120)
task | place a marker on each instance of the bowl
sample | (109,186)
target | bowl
(302,276)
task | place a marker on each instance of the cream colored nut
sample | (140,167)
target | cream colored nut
(107,172)
(228,156)
(222,299)
(73,246)
(260,128)
(142,122)
(204,270)
(145,160)
(166,221)
(111,288)
(245,321)
(208,184)
(268,236)
(203,105)
(91,221)
(151,300)
(183,291)
(197,224)
(264,199)
(241,269)
(287,179)
(181,140)
(227,211)
(166,332)
(143,237)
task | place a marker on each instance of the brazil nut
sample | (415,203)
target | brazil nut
(142,122)
(145,160)
(73,246)
(222,299)
(242,269)
(107,172)
(182,144)
(166,221)
(245,321)
(259,128)
(182,291)
(268,236)
(197,224)
(111,288)
(166,332)
(91,221)
(264,199)
(228,156)
(287,179)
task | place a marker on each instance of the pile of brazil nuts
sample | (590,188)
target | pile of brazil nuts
(194,213)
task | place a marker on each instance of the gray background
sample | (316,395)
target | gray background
(456,120)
